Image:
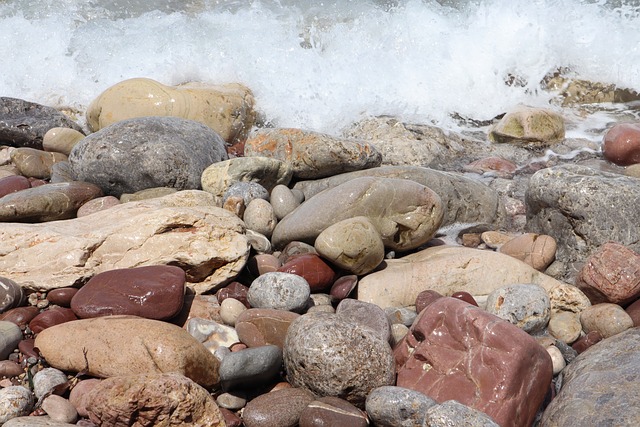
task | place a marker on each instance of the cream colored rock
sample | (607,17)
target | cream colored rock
(283,200)
(537,250)
(556,358)
(448,269)
(565,326)
(606,318)
(527,125)
(127,345)
(260,217)
(61,140)
(183,229)
(495,239)
(352,244)
(227,109)
(147,193)
(268,172)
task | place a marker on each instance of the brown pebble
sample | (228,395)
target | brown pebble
(10,369)
(425,298)
(50,318)
(466,297)
(332,411)
(587,341)
(471,240)
(343,287)
(281,408)
(61,296)
(230,418)
(21,316)
(633,310)
(234,290)
(26,347)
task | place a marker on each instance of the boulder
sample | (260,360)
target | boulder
(536,127)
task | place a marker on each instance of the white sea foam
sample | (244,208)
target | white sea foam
(321,65)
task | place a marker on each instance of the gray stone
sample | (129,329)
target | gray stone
(61,172)
(15,401)
(259,217)
(582,209)
(283,200)
(11,295)
(365,315)
(46,380)
(452,413)
(525,305)
(401,315)
(247,191)
(147,152)
(391,406)
(232,401)
(600,387)
(250,367)
(10,336)
(280,291)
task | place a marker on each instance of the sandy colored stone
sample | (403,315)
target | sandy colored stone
(35,163)
(127,345)
(607,319)
(268,172)
(183,229)
(528,125)
(537,250)
(61,140)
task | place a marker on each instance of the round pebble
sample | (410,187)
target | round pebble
(21,316)
(9,369)
(365,315)
(263,263)
(606,318)
(556,358)
(232,401)
(565,326)
(248,190)
(46,380)
(283,201)
(59,409)
(525,305)
(10,336)
(15,401)
(61,139)
(230,309)
(425,298)
(280,291)
(259,217)
(586,341)
(61,296)
(398,406)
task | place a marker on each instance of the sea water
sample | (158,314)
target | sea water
(321,65)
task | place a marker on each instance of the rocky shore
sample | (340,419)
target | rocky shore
(167,259)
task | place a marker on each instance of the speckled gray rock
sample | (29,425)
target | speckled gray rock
(15,401)
(260,217)
(283,200)
(247,191)
(405,213)
(525,305)
(600,387)
(61,172)
(147,152)
(10,336)
(365,315)
(606,318)
(452,413)
(268,172)
(391,406)
(45,380)
(250,367)
(280,291)
(333,357)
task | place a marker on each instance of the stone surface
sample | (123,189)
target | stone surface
(365,315)
(153,292)
(390,406)
(457,351)
(283,201)
(526,306)
(59,409)
(600,387)
(343,286)
(318,274)
(13,183)
(182,229)
(42,421)
(632,310)
(536,250)
(311,154)
(47,202)
(280,408)
(279,291)
(497,166)
(452,413)
(332,411)
(161,400)
(263,326)
(10,336)
(607,319)
(565,326)
(230,310)
(61,140)
(586,341)
(51,317)
(260,217)
(61,296)
(147,152)
(34,163)
(529,126)
(46,380)
(147,193)
(268,172)
(246,191)
(10,369)
(21,316)
(251,367)
(78,396)
(11,294)
(621,144)
(211,334)
(122,345)
(15,401)
(97,205)
(331,356)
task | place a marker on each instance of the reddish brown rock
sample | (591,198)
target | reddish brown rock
(587,341)
(26,347)
(61,296)
(425,298)
(51,317)
(465,296)
(79,393)
(264,326)
(501,167)
(10,369)
(153,292)
(632,310)
(281,408)
(621,144)
(21,316)
(315,271)
(334,412)
(234,290)
(230,418)
(11,184)
(611,274)
(455,351)
(343,286)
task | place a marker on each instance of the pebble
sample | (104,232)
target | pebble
(332,411)
(46,380)
(233,401)
(230,309)
(27,348)
(10,336)
(13,183)
(606,318)
(97,205)
(15,401)
(537,250)
(343,286)
(263,326)
(263,263)
(398,406)
(259,217)
(525,305)
(234,290)
(61,140)
(59,409)
(318,274)
(465,296)
(51,317)
(586,341)
(280,408)
(61,296)
(621,144)
(633,310)
(21,316)
(280,291)
(425,298)
(247,191)
(398,332)
(10,369)
(11,294)
(250,367)
(556,359)
(259,242)
(283,200)
(453,413)
(212,334)
(34,163)
(565,326)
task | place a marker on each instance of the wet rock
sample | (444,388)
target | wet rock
(389,406)
(267,172)
(530,126)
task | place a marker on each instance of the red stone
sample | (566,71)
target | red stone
(315,271)
(11,184)
(425,298)
(230,418)
(466,297)
(153,292)
(621,144)
(633,310)
(455,351)
(343,287)
(21,316)
(234,290)
(26,347)
(61,296)
(504,167)
(587,341)
(51,317)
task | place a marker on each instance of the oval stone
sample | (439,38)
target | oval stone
(343,286)
(11,184)
(61,140)
(318,274)
(251,367)
(283,201)
(537,250)
(97,205)
(259,216)
(9,369)
(10,336)
(607,319)
(11,294)
(280,291)
(35,163)
(21,316)
(51,317)
(15,401)
(621,144)
(398,406)
(365,315)
(61,296)
(280,408)
(332,411)
(263,326)
(565,326)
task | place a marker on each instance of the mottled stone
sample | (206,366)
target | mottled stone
(11,294)
(453,413)
(59,409)
(605,318)
(61,140)
(280,291)
(51,317)
(34,163)
(365,315)
(263,263)
(264,326)
(247,191)
(211,334)
(391,406)
(530,126)
(536,250)
(250,367)
(267,172)
(47,380)
(621,144)
(234,290)
(10,336)
(259,216)
(318,274)
(565,326)
(283,201)
(497,166)
(97,205)
(11,184)
(524,305)
(332,411)
(280,408)
(61,296)
(15,401)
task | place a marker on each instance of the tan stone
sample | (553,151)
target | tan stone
(606,318)
(537,250)
(127,345)
(61,140)
(227,109)
(495,239)
(530,126)
(147,193)
(576,91)
(268,172)
(34,163)
(181,229)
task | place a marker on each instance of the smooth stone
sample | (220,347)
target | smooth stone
(34,163)
(27,348)
(323,351)
(60,172)
(565,326)
(530,126)
(465,296)
(10,369)
(250,367)
(46,380)
(332,411)
(263,263)
(230,310)
(200,306)
(343,286)
(259,217)
(212,334)
(586,341)
(365,315)
(391,406)
(61,140)
(405,214)
(633,310)
(44,421)
(259,242)
(153,292)
(526,306)
(283,200)
(280,408)
(537,250)
(263,326)
(48,202)
(78,396)
(247,191)
(453,413)
(425,298)
(495,239)
(11,294)
(125,345)
(497,166)
(280,291)
(401,315)
(59,409)
(97,205)
(311,154)
(556,359)
(398,332)
(15,401)
(234,290)
(267,172)
(160,399)
(232,401)
(605,318)
(352,244)
(611,274)
(61,296)
(21,316)
(318,274)
(51,317)
(621,144)
(12,184)
(467,334)
(147,193)
(230,418)
(295,248)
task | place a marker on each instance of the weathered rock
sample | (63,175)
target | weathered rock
(61,140)
(531,126)
(526,306)
(621,144)
(263,326)
(147,193)
(24,124)
(34,163)
(153,232)
(78,396)
(494,165)
(365,315)
(577,91)
(268,172)
(147,152)
(42,421)
(536,250)
(47,380)
(311,154)
(59,409)
(600,387)
(15,401)
(160,400)
(455,351)
(279,291)
(227,109)
(390,406)
(211,334)
(126,345)
(280,408)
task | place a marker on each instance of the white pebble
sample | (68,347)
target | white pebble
(556,359)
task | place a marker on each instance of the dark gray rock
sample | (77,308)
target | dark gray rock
(147,152)
(391,406)
(248,190)
(452,413)
(601,386)
(582,209)
(250,367)
(23,123)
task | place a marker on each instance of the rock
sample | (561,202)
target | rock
(466,297)
(78,396)
(263,263)
(10,369)
(577,91)
(247,191)
(611,274)
(21,316)
(439,358)
(332,356)
(586,341)
(531,126)
(405,214)
(230,401)
(27,348)
(497,166)
(61,296)
(51,317)
(34,163)
(234,290)
(332,411)
(97,205)
(15,401)
(43,421)
(280,291)
(230,310)
(621,144)
(280,408)
(390,406)
(311,154)
(263,326)
(212,334)
(251,367)
(452,413)
(13,183)
(61,140)
(267,172)
(126,345)
(283,201)
(632,310)
(167,399)
(228,109)
(600,386)
(318,274)
(10,336)
(565,326)
(59,409)
(24,123)
(147,193)
(365,315)
(557,360)
(47,202)
(153,292)
(147,152)
(260,217)
(606,319)
(152,232)
(11,294)
(526,306)
(61,172)
(401,315)
(46,380)
(536,250)
(582,221)
(343,286)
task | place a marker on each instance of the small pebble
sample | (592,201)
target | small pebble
(557,359)
(230,309)
(59,409)
(259,217)
(606,318)
(283,200)
(232,401)
(565,326)
(46,380)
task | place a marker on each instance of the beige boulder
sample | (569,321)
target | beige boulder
(529,126)
(127,345)
(183,229)
(227,109)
